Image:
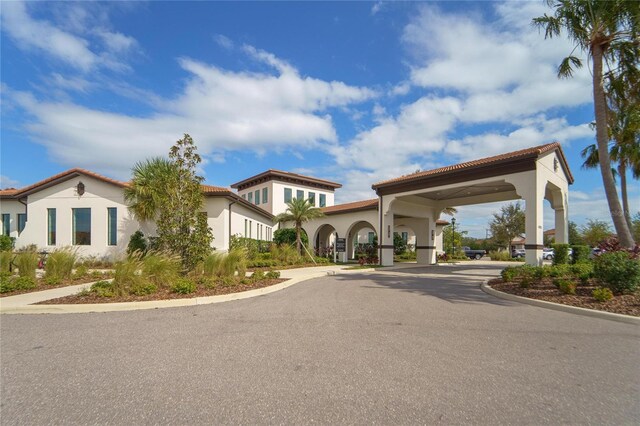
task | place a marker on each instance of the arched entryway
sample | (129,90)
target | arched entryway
(323,240)
(361,236)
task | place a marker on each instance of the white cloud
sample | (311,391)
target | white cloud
(223,41)
(500,74)
(222,110)
(68,41)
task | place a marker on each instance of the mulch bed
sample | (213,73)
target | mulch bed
(627,304)
(42,285)
(162,294)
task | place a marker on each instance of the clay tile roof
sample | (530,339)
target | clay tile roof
(515,155)
(211,189)
(68,174)
(7,193)
(441,222)
(287,177)
(354,206)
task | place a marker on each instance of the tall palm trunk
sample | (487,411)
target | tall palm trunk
(622,171)
(298,239)
(599,102)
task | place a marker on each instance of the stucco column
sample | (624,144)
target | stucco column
(385,240)
(562,226)
(425,240)
(534,220)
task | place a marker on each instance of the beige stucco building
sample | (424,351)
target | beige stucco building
(83,209)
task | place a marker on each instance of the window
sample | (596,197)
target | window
(81,227)
(51,227)
(371,235)
(323,200)
(250,197)
(300,194)
(405,237)
(250,226)
(245,228)
(6,223)
(22,221)
(287,195)
(312,198)
(112,226)
(258,196)
(265,195)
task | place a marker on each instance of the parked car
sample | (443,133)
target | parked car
(549,254)
(518,253)
(473,254)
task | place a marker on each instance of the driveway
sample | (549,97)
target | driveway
(415,345)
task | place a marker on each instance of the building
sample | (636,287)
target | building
(273,189)
(87,211)
(83,209)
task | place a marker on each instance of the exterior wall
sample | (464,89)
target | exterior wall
(268,206)
(218,219)
(63,197)
(279,206)
(12,207)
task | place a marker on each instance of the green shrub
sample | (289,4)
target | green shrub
(27,263)
(6,258)
(60,264)
(602,294)
(183,286)
(560,254)
(321,260)
(272,275)
(226,264)
(142,288)
(556,271)
(500,256)
(582,271)
(258,276)
(617,271)
(231,281)
(161,269)
(208,282)
(6,284)
(103,289)
(96,274)
(581,254)
(565,285)
(287,236)
(211,266)
(253,248)
(508,274)
(7,243)
(24,283)
(81,272)
(137,243)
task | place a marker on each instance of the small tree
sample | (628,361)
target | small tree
(595,231)
(575,237)
(447,236)
(299,211)
(507,224)
(169,191)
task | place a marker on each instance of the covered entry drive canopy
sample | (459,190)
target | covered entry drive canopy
(532,174)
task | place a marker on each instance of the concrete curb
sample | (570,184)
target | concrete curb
(172,303)
(559,307)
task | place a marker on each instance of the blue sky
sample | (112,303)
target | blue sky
(354,92)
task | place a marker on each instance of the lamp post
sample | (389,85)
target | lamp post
(453,236)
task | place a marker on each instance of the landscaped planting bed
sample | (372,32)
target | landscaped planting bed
(544,289)
(610,282)
(203,289)
(14,287)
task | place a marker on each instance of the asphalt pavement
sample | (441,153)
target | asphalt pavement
(415,345)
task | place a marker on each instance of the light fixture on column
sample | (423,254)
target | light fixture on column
(80,188)
(453,235)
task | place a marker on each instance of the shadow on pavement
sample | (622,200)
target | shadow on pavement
(454,289)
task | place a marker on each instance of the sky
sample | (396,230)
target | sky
(354,92)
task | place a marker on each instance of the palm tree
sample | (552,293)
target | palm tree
(299,211)
(623,95)
(605,30)
(145,192)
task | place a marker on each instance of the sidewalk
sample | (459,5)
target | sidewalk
(24,303)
